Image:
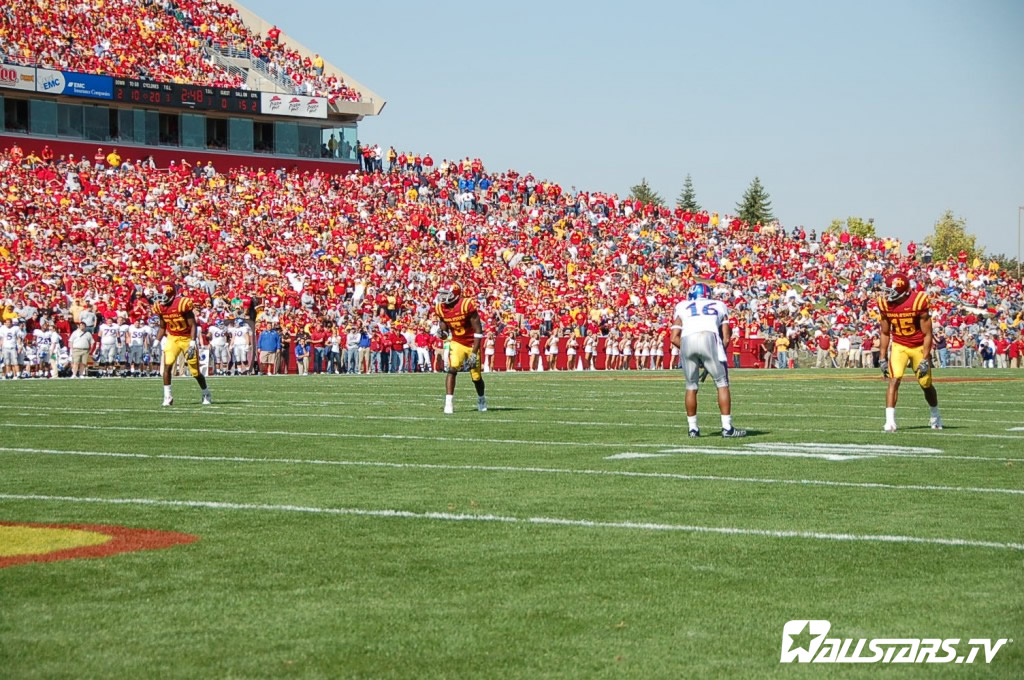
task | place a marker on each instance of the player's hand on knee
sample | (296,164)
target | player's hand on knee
(472,361)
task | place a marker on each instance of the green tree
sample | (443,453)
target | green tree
(855,225)
(756,205)
(950,237)
(645,194)
(688,197)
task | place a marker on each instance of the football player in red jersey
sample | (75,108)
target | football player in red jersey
(178,323)
(906,337)
(461,321)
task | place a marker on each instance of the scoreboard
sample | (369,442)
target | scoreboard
(196,97)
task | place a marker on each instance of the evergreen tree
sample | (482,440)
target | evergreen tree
(756,206)
(645,194)
(950,237)
(688,197)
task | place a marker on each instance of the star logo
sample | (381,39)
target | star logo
(802,638)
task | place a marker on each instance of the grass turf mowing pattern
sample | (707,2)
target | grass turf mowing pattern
(285,594)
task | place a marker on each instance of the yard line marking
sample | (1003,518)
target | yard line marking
(518,469)
(475,440)
(506,519)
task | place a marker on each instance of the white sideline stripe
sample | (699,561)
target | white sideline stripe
(731,452)
(473,440)
(785,451)
(554,521)
(812,446)
(514,469)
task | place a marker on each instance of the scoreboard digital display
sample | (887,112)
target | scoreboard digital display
(196,97)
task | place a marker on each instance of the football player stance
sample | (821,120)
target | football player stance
(178,323)
(700,330)
(460,320)
(906,322)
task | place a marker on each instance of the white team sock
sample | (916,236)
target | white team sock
(935,411)
(726,422)
(890,415)
(691,422)
(448,399)
(167,391)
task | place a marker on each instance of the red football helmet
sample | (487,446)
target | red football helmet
(897,286)
(449,292)
(164,293)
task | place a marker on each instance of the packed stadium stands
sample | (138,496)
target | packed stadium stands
(369,249)
(175,41)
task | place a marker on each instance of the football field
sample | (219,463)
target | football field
(344,527)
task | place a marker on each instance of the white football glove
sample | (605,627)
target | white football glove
(923,368)
(190,354)
(884,365)
(472,361)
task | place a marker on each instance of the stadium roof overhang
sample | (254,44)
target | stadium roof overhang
(372,103)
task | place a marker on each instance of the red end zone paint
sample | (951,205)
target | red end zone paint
(123,539)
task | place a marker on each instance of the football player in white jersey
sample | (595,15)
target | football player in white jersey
(122,345)
(110,335)
(700,329)
(48,345)
(154,351)
(139,338)
(11,339)
(220,355)
(240,346)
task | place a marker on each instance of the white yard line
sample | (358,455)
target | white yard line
(515,470)
(386,436)
(551,521)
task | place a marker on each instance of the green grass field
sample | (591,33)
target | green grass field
(349,529)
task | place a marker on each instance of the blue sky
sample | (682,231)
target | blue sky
(892,110)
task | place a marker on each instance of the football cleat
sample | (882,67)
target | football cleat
(694,434)
(481,404)
(935,423)
(733,432)
(889,427)
(207,399)
(168,401)
(449,409)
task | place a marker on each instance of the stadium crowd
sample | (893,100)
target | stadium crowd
(161,40)
(338,273)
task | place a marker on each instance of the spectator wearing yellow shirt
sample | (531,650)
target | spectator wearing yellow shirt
(782,351)
(318,64)
(114,159)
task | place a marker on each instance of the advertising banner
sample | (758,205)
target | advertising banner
(74,84)
(293,105)
(17,77)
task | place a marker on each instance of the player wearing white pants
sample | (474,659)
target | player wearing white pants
(700,329)
(219,353)
(240,345)
(11,339)
(48,344)
(110,332)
